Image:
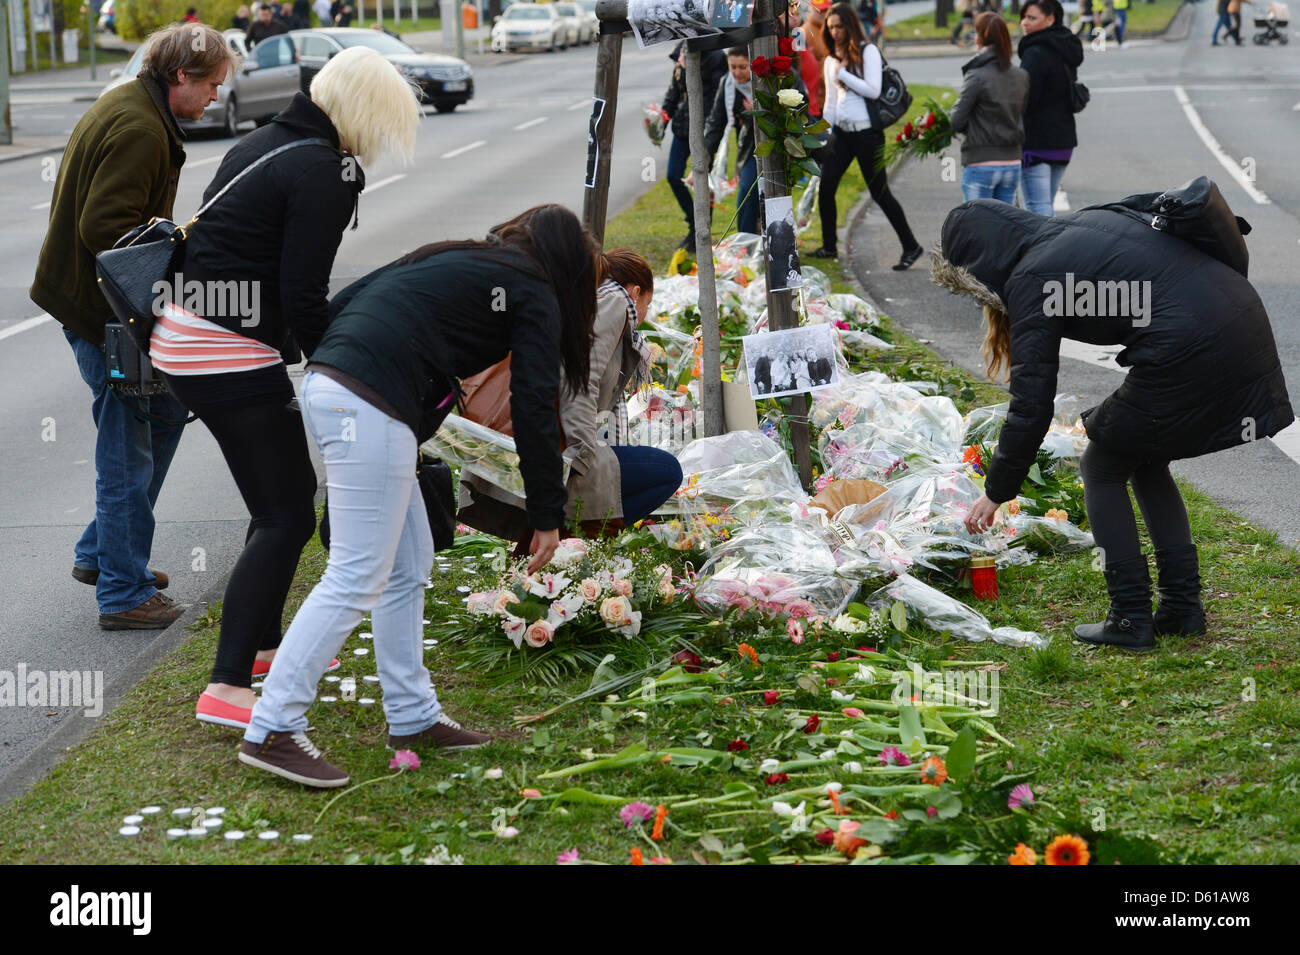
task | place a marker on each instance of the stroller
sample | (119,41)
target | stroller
(1273,27)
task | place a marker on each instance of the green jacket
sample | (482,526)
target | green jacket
(120,168)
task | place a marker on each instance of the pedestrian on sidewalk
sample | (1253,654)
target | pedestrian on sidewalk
(264,26)
(1223,23)
(322,11)
(273,237)
(1204,376)
(1121,21)
(1234,11)
(379,385)
(988,114)
(1084,20)
(119,170)
(853,77)
(713,67)
(1051,55)
(241,21)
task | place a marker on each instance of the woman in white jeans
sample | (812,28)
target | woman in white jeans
(379,383)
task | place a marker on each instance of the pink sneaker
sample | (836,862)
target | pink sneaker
(213,710)
(263,667)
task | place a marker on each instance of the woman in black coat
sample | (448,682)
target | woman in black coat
(255,283)
(1204,376)
(1051,55)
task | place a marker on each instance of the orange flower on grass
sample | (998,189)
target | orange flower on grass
(835,803)
(657,833)
(1023,855)
(933,771)
(845,839)
(636,856)
(1066,850)
(748,652)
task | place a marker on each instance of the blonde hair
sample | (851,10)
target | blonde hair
(997,342)
(374,108)
(197,49)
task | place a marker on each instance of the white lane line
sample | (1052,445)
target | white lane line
(204,162)
(581,104)
(1288,441)
(1159,88)
(464,149)
(43,205)
(532,122)
(1103,355)
(1212,144)
(371,187)
(26,324)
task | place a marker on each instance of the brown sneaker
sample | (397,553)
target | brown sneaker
(444,734)
(88,576)
(295,757)
(156,613)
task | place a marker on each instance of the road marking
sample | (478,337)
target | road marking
(1212,144)
(385,182)
(26,324)
(532,122)
(464,149)
(1288,440)
(43,205)
(579,105)
(1159,88)
(204,162)
(1103,355)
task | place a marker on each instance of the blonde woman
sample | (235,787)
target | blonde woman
(272,239)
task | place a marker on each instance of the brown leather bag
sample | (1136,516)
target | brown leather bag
(485,398)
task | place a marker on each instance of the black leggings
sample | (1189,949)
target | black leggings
(1105,476)
(863,145)
(265,447)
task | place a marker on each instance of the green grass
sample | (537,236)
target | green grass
(1194,745)
(1143,18)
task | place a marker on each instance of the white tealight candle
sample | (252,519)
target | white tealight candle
(150,810)
(175,833)
(302,837)
(234,835)
(132,820)
(360,652)
(269,835)
(129,831)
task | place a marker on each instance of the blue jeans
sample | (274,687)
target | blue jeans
(1121,23)
(1224,23)
(990,182)
(131,460)
(1038,185)
(381,553)
(747,196)
(647,478)
(678,153)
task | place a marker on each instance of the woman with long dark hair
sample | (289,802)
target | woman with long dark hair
(1051,55)
(853,77)
(988,112)
(379,384)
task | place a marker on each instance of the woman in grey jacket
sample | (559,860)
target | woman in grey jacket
(988,113)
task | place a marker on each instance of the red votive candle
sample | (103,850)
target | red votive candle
(984,577)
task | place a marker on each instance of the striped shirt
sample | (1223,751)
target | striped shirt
(185,344)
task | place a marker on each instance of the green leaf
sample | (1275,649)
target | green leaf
(809,166)
(764,148)
(898,616)
(860,611)
(711,843)
(1035,474)
(541,736)
(961,754)
(768,125)
(586,796)
(818,127)
(909,729)
(812,142)
(948,803)
(604,672)
(794,147)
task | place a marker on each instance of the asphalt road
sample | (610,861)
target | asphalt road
(521,141)
(1135,136)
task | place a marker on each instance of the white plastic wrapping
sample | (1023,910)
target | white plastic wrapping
(940,612)
(479,450)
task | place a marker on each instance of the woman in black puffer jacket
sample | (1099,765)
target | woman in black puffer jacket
(1204,376)
(1051,55)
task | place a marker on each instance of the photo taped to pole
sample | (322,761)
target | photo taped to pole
(782,245)
(593,144)
(791,362)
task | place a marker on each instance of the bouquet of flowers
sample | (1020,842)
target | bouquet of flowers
(928,135)
(782,114)
(655,121)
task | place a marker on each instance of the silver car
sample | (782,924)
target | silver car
(265,83)
(529,26)
(575,23)
(588,8)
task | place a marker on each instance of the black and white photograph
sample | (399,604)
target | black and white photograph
(663,21)
(732,14)
(791,362)
(782,244)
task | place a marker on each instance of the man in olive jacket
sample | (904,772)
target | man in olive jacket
(120,168)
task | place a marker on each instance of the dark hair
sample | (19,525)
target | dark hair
(855,41)
(627,267)
(991,31)
(739,51)
(562,249)
(1048,8)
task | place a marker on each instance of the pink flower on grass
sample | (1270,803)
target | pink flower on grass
(567,857)
(795,630)
(1021,795)
(634,812)
(404,759)
(931,812)
(800,609)
(893,756)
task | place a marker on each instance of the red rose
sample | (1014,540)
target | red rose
(826,837)
(892,814)
(777,779)
(770,697)
(690,661)
(833,656)
(760,66)
(867,649)
(898,138)
(907,131)
(785,46)
(812,724)
(736,745)
(781,64)
(832,681)
(930,120)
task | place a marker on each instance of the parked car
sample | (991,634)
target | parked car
(575,23)
(529,26)
(107,17)
(444,81)
(588,8)
(264,84)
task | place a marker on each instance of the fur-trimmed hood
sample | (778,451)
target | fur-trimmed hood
(981,243)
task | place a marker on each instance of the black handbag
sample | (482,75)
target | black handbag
(1079,94)
(131,270)
(1195,212)
(439,493)
(894,100)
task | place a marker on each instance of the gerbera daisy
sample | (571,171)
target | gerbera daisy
(1066,850)
(933,771)
(1023,855)
(1021,795)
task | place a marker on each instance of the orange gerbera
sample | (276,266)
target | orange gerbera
(636,856)
(1066,850)
(661,814)
(972,454)
(835,802)
(933,771)
(846,840)
(1023,855)
(745,650)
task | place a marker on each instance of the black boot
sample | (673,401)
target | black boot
(1179,611)
(1128,624)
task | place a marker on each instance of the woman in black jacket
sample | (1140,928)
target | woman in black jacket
(988,114)
(1204,376)
(713,67)
(379,384)
(1051,55)
(255,280)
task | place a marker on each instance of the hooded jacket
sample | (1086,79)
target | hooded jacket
(1051,57)
(1204,369)
(989,108)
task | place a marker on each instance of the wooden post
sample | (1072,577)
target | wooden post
(600,130)
(711,360)
(780,305)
